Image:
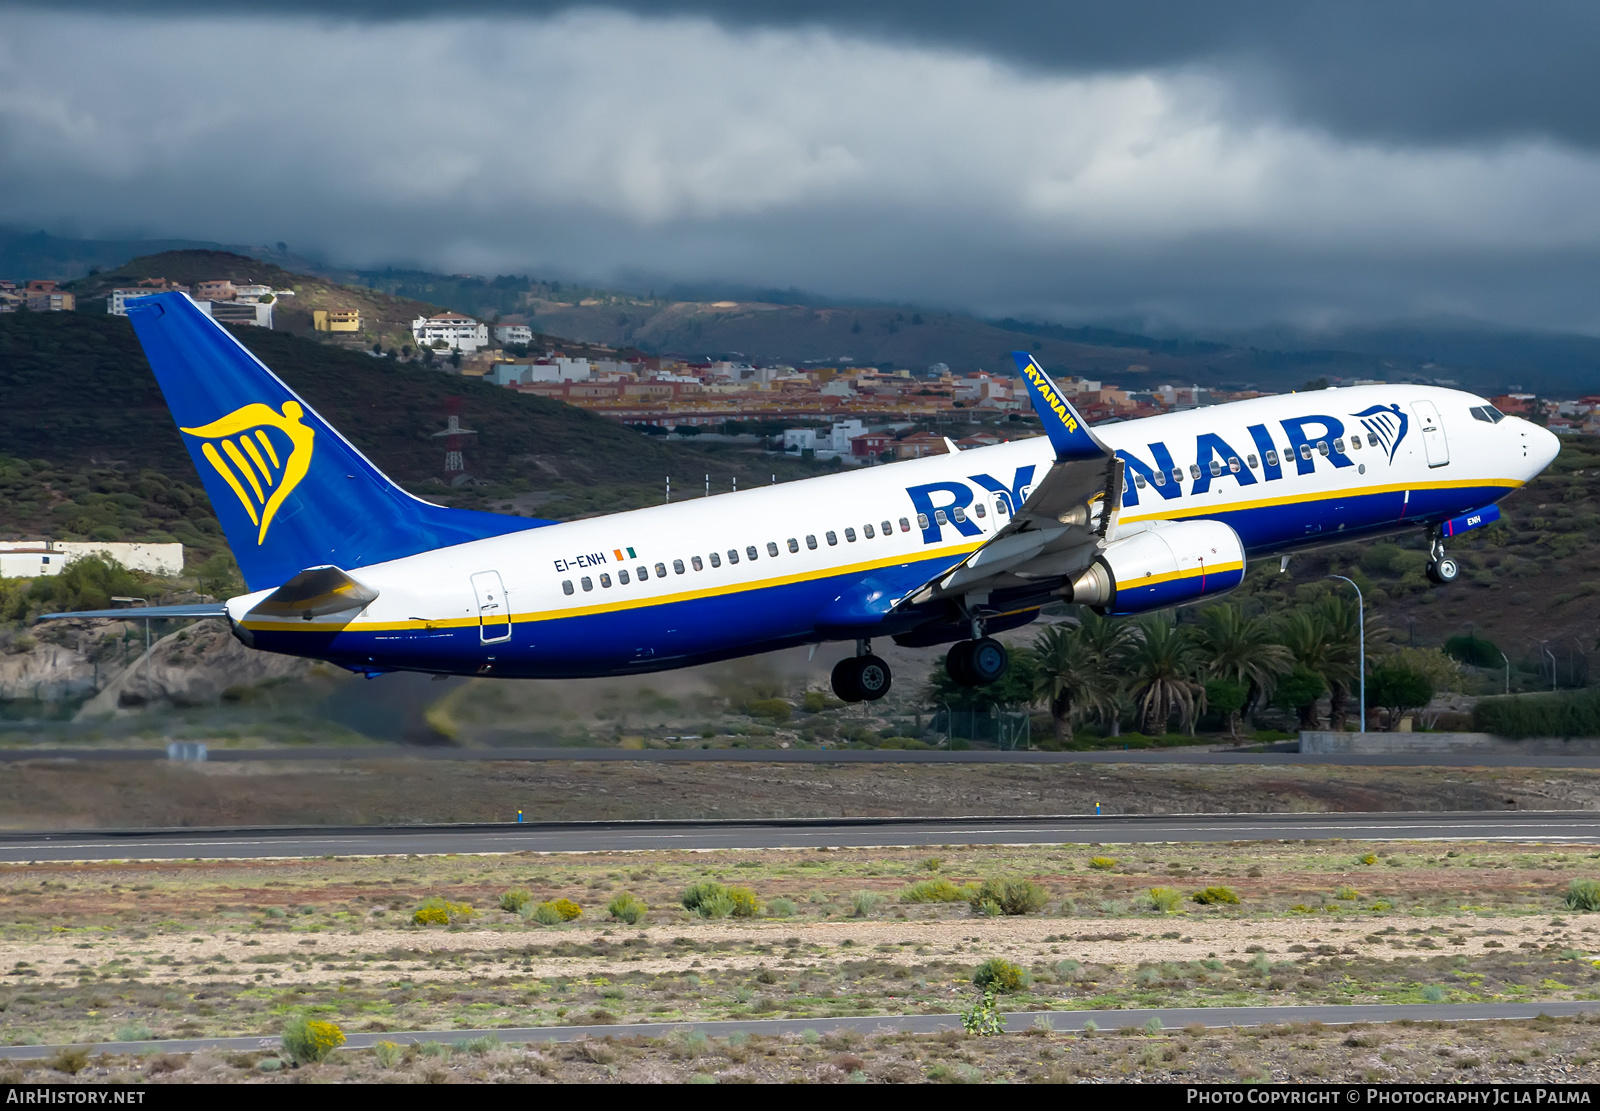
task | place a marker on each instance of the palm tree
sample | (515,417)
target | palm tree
(1318,650)
(1161,676)
(1076,674)
(1241,649)
(1339,616)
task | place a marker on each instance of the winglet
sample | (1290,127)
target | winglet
(1068,431)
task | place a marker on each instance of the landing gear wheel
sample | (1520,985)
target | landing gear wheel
(977,663)
(861,679)
(988,660)
(1443,570)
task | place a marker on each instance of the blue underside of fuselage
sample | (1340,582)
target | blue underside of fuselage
(703,630)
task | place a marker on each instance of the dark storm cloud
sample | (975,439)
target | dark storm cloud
(1221,164)
(1390,71)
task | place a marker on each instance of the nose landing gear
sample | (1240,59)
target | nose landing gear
(862,677)
(1441,568)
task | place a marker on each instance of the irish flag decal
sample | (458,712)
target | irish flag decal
(620,557)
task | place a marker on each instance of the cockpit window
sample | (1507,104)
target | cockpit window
(1488,413)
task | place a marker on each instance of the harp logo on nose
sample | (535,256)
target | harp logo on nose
(261,454)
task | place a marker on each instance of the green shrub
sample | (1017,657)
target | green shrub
(1001,975)
(781,907)
(988,908)
(1215,896)
(435,911)
(543,913)
(311,1039)
(387,1053)
(983,1018)
(627,908)
(863,903)
(1346,894)
(1433,993)
(933,864)
(515,900)
(773,709)
(745,903)
(134,1032)
(1367,858)
(708,899)
(1164,899)
(1102,863)
(933,891)
(1472,650)
(1568,714)
(1583,895)
(1012,896)
(70,1059)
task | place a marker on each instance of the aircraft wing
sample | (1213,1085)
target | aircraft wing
(1065,520)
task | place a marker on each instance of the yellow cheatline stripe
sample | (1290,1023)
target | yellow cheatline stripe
(622,604)
(1170,576)
(210,452)
(249,446)
(1218,508)
(244,468)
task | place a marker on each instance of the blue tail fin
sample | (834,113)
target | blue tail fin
(290,492)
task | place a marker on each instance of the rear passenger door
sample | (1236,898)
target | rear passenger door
(494,616)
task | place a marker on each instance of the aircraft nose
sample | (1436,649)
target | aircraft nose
(1543,447)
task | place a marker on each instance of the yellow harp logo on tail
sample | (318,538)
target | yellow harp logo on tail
(261,454)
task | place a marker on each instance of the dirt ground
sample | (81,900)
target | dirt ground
(131,950)
(65,794)
(1545,1051)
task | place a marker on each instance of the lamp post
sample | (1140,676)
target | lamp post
(1361,640)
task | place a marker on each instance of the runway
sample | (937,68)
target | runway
(181,844)
(1061,1022)
(818,756)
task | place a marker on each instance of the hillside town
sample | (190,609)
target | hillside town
(854,414)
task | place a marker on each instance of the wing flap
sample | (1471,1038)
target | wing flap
(146,613)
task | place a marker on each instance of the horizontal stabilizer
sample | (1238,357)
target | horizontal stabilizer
(1069,433)
(315,592)
(140,613)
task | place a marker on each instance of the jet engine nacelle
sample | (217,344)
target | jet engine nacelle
(1166,565)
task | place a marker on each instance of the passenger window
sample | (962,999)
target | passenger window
(586,582)
(938,515)
(978,509)
(1194,471)
(661,569)
(1338,445)
(694,561)
(959,514)
(794,545)
(1305,451)
(622,576)
(1322,446)
(605,580)
(750,551)
(1161,478)
(1177,475)
(566,586)
(733,555)
(1138,480)
(1216,468)
(867,530)
(811,541)
(1372,439)
(716,560)
(677,566)
(1272,457)
(772,549)
(832,538)
(887,529)
(905,525)
(922,520)
(1252,462)
(1233,463)
(644,573)
(850,535)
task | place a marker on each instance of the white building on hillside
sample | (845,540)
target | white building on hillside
(30,559)
(454,331)
(513,333)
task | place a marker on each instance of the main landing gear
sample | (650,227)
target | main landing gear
(977,663)
(862,677)
(1441,568)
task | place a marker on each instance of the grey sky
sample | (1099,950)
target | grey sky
(1198,165)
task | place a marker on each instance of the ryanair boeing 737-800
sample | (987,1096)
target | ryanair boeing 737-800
(343,565)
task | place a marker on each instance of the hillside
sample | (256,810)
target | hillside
(386,319)
(78,402)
